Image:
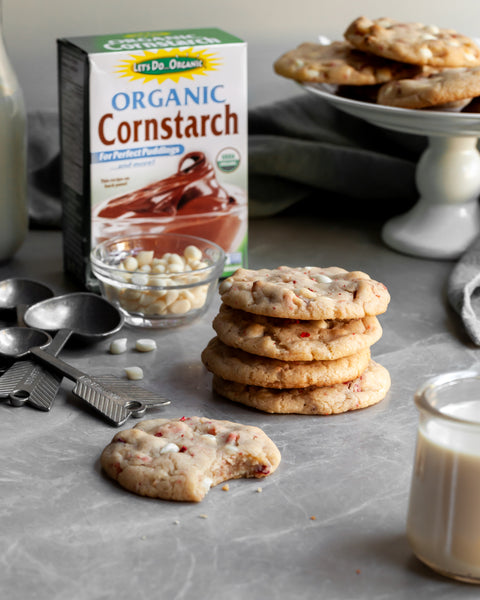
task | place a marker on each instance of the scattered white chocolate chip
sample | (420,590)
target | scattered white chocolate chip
(134,373)
(145,345)
(118,346)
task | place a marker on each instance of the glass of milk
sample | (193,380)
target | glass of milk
(443,523)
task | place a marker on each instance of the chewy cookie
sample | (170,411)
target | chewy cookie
(309,293)
(236,365)
(292,339)
(444,87)
(413,43)
(181,459)
(368,389)
(339,63)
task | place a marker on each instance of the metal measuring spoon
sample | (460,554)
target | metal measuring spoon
(89,316)
(16,295)
(86,315)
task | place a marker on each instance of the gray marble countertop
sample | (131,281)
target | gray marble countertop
(67,531)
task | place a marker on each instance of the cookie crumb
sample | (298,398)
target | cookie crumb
(226,487)
(259,490)
(313,518)
(203,516)
(358,571)
(176,522)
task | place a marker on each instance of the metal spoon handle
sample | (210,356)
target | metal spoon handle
(57,363)
(28,381)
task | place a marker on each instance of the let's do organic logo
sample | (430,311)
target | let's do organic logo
(168,64)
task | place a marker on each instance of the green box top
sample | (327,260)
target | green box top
(148,40)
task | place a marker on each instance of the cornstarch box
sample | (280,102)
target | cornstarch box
(153,139)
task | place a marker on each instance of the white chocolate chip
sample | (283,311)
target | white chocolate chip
(225,286)
(134,373)
(159,268)
(432,29)
(140,278)
(192,253)
(144,257)
(176,260)
(425,52)
(145,345)
(170,447)
(118,346)
(230,449)
(210,438)
(170,297)
(180,307)
(130,263)
(323,278)
(207,483)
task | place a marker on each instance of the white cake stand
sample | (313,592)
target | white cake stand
(446,218)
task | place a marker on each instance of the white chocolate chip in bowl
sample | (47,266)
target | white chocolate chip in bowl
(158,280)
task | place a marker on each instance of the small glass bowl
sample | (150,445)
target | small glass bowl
(167,293)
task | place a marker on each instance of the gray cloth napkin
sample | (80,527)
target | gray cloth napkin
(43,170)
(464,290)
(303,146)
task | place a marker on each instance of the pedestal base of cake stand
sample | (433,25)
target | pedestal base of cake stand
(446,218)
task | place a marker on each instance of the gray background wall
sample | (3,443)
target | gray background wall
(31,28)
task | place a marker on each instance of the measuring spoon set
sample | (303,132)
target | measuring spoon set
(36,374)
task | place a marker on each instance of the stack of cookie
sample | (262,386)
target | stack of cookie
(407,65)
(297,340)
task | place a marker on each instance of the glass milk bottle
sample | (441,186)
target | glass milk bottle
(13,184)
